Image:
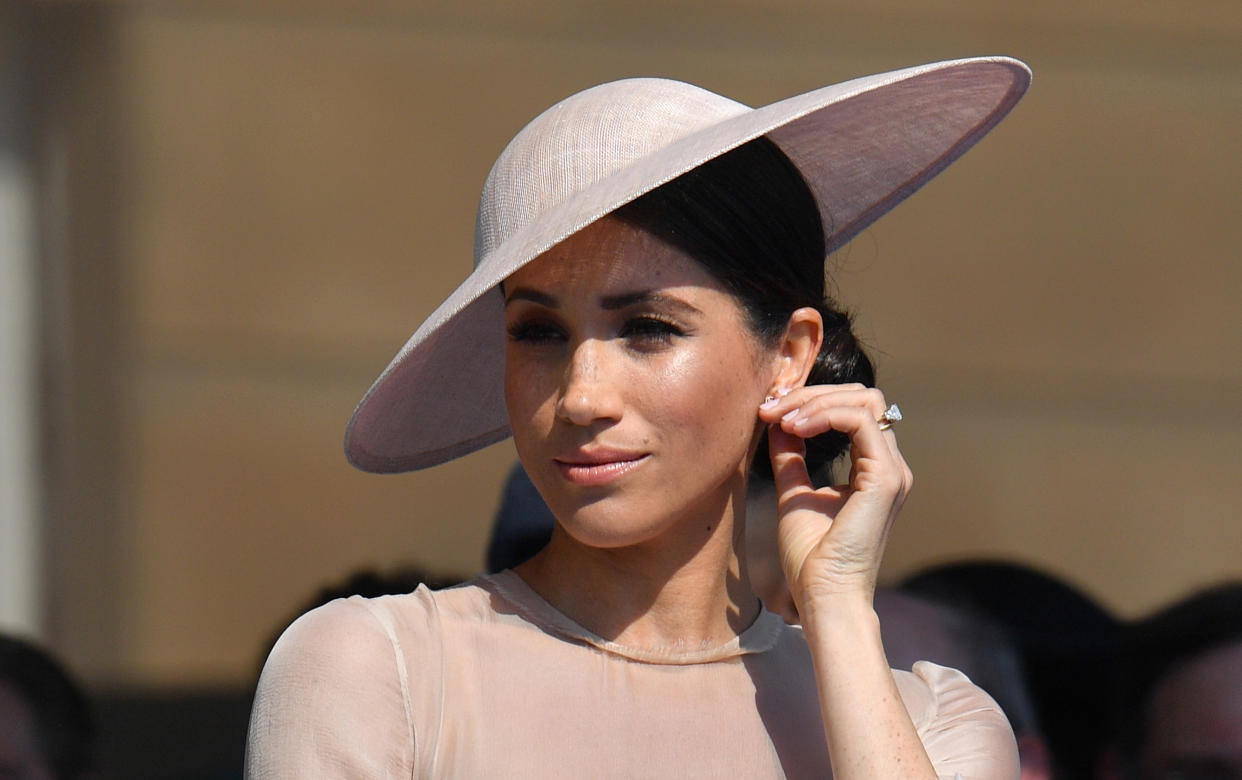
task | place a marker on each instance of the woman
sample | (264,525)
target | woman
(647,306)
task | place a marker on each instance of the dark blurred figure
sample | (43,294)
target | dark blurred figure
(47,731)
(522,526)
(370,583)
(1179,698)
(917,628)
(1068,645)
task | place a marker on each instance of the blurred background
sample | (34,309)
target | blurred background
(219,220)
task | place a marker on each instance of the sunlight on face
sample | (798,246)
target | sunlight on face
(632,384)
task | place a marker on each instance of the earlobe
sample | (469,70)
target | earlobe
(775,394)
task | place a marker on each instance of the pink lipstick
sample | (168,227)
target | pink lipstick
(597,467)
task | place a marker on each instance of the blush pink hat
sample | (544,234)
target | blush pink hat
(863,146)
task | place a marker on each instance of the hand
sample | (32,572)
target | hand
(831,540)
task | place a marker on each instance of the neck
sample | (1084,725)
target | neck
(687,589)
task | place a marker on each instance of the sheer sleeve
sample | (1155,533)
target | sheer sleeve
(964,731)
(332,701)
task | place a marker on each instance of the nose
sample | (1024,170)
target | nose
(589,390)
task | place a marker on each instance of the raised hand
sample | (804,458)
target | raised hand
(832,539)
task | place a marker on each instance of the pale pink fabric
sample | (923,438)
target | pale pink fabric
(487,680)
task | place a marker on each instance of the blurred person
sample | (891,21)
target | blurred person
(916,628)
(522,525)
(1179,693)
(1066,640)
(648,315)
(47,729)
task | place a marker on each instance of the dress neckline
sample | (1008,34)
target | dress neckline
(759,637)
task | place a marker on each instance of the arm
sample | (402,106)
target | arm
(331,701)
(869,731)
(831,542)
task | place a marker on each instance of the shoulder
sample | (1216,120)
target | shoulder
(368,639)
(962,727)
(328,689)
(337,696)
(332,640)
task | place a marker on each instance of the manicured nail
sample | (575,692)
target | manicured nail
(790,415)
(769,402)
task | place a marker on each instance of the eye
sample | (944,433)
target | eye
(648,330)
(535,332)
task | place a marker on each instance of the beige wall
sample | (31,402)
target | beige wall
(248,207)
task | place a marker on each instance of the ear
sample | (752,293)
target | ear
(799,346)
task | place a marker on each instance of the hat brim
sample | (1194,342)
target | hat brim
(863,146)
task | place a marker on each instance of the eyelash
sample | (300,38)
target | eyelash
(651,330)
(534,331)
(646,330)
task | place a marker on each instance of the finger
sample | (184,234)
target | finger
(805,414)
(820,416)
(775,407)
(788,454)
(798,411)
(871,451)
(869,398)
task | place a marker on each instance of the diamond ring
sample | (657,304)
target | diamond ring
(891,415)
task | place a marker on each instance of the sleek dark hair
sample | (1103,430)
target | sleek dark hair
(750,219)
(63,720)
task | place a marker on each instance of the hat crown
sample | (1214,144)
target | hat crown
(582,140)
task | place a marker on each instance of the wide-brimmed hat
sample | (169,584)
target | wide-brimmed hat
(862,146)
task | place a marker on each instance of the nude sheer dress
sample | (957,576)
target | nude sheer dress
(487,680)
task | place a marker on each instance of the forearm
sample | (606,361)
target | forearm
(869,732)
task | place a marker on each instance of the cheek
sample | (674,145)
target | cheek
(713,389)
(526,394)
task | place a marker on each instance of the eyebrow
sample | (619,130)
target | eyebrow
(534,296)
(615,302)
(608,302)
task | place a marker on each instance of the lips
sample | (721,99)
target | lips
(597,466)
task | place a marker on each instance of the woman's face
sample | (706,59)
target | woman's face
(632,383)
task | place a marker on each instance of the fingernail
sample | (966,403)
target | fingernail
(790,415)
(782,392)
(768,402)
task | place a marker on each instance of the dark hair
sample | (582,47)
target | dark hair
(63,722)
(1160,644)
(750,219)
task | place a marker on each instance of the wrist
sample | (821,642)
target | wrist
(850,615)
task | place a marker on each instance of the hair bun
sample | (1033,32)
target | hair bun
(842,359)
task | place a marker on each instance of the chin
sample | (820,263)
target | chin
(604,524)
